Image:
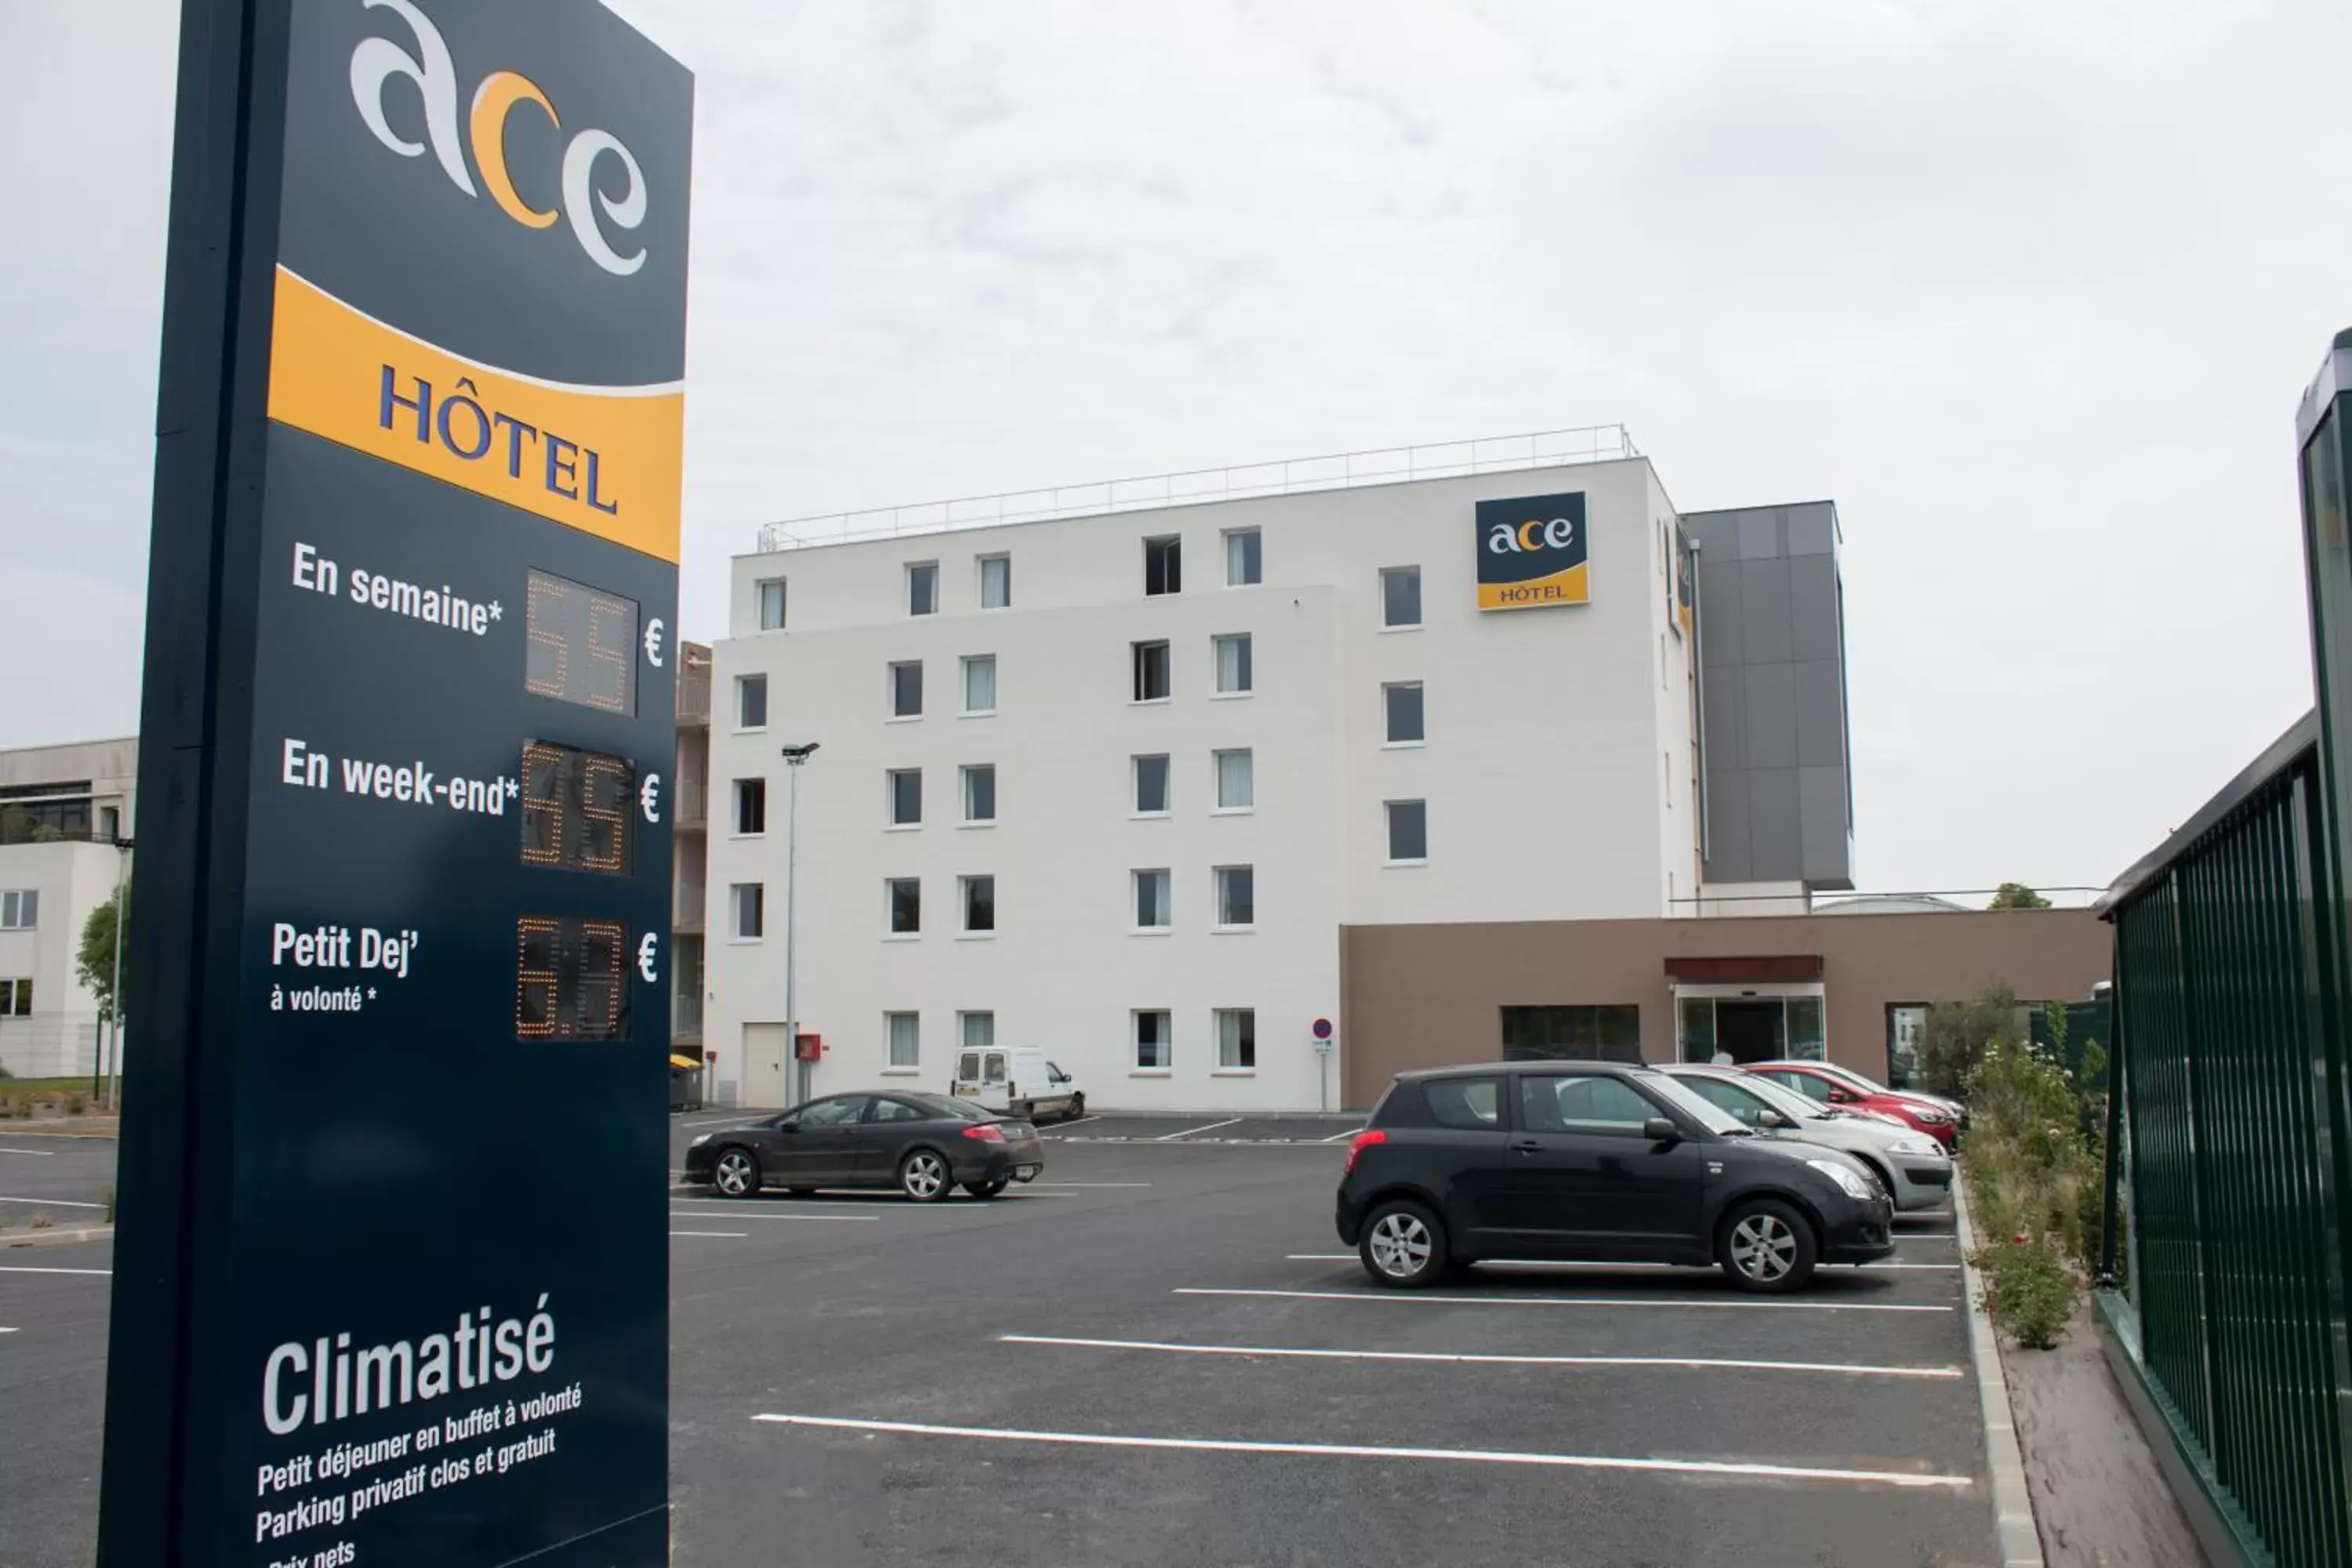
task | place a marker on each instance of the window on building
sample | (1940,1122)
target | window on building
(979,903)
(906,796)
(771,604)
(1152,786)
(20,909)
(1236,896)
(1233,651)
(750,701)
(1163,566)
(1242,557)
(1155,1040)
(750,904)
(906,689)
(1237,1039)
(1573,1034)
(1151,671)
(15,998)
(1151,900)
(922,599)
(977,1031)
(1400,596)
(995,581)
(980,683)
(750,805)
(903,1034)
(44,813)
(1407,831)
(905,897)
(1401,704)
(1906,1025)
(1236,784)
(980,792)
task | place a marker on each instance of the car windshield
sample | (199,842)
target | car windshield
(1852,1079)
(1704,1111)
(1786,1100)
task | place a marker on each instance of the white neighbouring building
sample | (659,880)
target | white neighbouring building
(985,851)
(62,809)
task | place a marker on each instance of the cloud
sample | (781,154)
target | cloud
(2029,290)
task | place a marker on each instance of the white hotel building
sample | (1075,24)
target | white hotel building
(1112,785)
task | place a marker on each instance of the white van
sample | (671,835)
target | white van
(1019,1081)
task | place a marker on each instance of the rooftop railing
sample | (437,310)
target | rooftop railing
(1289,476)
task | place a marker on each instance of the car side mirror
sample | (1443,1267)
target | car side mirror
(1841,1097)
(788,1126)
(1768,1118)
(1660,1130)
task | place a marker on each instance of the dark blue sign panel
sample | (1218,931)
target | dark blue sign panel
(392,1272)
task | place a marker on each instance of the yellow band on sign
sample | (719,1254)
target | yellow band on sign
(603,459)
(1572,586)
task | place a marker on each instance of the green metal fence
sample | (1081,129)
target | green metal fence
(2227,1155)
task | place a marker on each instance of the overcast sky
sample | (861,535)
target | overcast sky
(2029,290)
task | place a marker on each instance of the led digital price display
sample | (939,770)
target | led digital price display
(583,646)
(575,809)
(570,979)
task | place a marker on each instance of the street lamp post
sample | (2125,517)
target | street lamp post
(114,982)
(794,757)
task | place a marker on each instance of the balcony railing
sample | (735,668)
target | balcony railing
(693,802)
(694,697)
(1291,476)
(686,912)
(685,1017)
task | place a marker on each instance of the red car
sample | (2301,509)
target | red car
(1845,1088)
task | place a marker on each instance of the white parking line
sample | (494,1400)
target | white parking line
(1694,1268)
(1058,1186)
(729,1213)
(1187,1132)
(1758,1302)
(14,1268)
(37,1153)
(7,1331)
(1336,1137)
(726,1235)
(1907,1480)
(1062,1127)
(52,1202)
(1447,1358)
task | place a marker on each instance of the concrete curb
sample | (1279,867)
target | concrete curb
(57,1238)
(2013,1500)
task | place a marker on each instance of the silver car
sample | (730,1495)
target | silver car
(1910,1166)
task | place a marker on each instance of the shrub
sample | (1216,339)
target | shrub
(42,1222)
(2029,1290)
(76,1104)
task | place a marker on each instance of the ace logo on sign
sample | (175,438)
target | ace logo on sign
(1532,552)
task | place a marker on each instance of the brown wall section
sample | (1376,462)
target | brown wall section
(1423,995)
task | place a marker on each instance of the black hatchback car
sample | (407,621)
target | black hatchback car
(926,1145)
(1594,1162)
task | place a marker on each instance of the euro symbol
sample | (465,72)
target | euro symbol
(649,797)
(653,642)
(645,958)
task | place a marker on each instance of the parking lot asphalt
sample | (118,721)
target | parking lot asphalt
(65,1179)
(1160,1355)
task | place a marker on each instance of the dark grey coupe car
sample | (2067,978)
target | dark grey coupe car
(923,1145)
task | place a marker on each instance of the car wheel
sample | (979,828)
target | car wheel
(1403,1246)
(736,1174)
(1077,1106)
(1767,1246)
(923,1176)
(987,1189)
